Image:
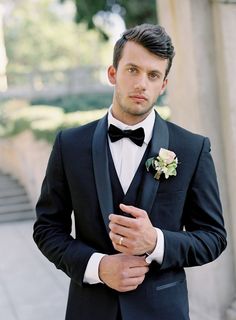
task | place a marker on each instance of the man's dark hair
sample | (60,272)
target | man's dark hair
(152,37)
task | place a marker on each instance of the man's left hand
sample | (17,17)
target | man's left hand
(132,236)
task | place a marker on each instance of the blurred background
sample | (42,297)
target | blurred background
(53,60)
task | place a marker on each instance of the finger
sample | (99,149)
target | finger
(132,281)
(139,261)
(138,272)
(135,261)
(121,249)
(134,211)
(122,221)
(122,244)
(120,230)
(117,240)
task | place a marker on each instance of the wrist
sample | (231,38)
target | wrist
(101,268)
(158,252)
(153,242)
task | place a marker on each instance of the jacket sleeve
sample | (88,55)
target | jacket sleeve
(52,229)
(204,235)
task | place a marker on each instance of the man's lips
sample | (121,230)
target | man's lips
(138,97)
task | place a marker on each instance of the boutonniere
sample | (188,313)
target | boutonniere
(166,162)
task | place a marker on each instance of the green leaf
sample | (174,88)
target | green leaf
(148,163)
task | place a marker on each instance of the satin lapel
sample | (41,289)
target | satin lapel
(160,139)
(101,170)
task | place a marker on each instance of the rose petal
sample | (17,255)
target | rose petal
(167,155)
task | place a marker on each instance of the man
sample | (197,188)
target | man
(145,202)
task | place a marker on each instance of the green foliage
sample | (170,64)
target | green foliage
(17,116)
(137,13)
(85,10)
(8,110)
(132,11)
(45,121)
(38,38)
(79,102)
(84,101)
(47,129)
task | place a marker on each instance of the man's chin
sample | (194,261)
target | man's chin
(140,110)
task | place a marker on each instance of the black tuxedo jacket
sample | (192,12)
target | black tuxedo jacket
(186,208)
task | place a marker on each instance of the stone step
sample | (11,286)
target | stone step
(19,207)
(6,178)
(8,188)
(16,216)
(8,184)
(15,199)
(12,192)
(14,203)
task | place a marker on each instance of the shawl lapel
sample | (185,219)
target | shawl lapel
(101,170)
(160,139)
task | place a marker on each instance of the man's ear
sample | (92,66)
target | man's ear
(164,86)
(111,72)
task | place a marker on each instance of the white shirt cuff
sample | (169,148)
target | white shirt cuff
(158,253)
(91,274)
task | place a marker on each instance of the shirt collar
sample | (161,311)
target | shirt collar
(147,124)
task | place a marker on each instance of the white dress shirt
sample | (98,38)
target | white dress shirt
(126,157)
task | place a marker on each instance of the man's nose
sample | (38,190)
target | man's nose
(141,83)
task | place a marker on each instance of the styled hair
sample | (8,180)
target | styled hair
(152,37)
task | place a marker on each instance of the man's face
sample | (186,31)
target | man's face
(138,80)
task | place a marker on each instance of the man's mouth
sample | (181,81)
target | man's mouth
(138,97)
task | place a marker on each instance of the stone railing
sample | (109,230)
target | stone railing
(57,83)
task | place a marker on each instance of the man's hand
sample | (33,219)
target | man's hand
(122,272)
(132,236)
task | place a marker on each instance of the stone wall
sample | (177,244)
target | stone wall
(25,158)
(202,99)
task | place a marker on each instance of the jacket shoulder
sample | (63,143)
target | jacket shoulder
(187,144)
(79,131)
(185,138)
(76,135)
(180,131)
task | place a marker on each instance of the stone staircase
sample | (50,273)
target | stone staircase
(14,203)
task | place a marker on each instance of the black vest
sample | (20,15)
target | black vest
(133,193)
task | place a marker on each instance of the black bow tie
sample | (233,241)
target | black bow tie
(137,136)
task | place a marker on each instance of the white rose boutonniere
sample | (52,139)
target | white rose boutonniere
(166,162)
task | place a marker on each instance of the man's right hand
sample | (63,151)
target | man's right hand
(123,272)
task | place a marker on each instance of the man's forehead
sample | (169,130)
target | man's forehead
(136,55)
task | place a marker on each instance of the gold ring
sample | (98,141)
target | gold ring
(121,240)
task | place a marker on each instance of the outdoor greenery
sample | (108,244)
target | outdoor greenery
(84,101)
(79,102)
(45,121)
(133,12)
(39,35)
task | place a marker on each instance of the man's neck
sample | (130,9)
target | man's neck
(129,120)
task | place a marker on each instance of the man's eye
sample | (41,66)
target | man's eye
(154,76)
(132,70)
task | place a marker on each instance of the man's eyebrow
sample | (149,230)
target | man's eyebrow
(130,64)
